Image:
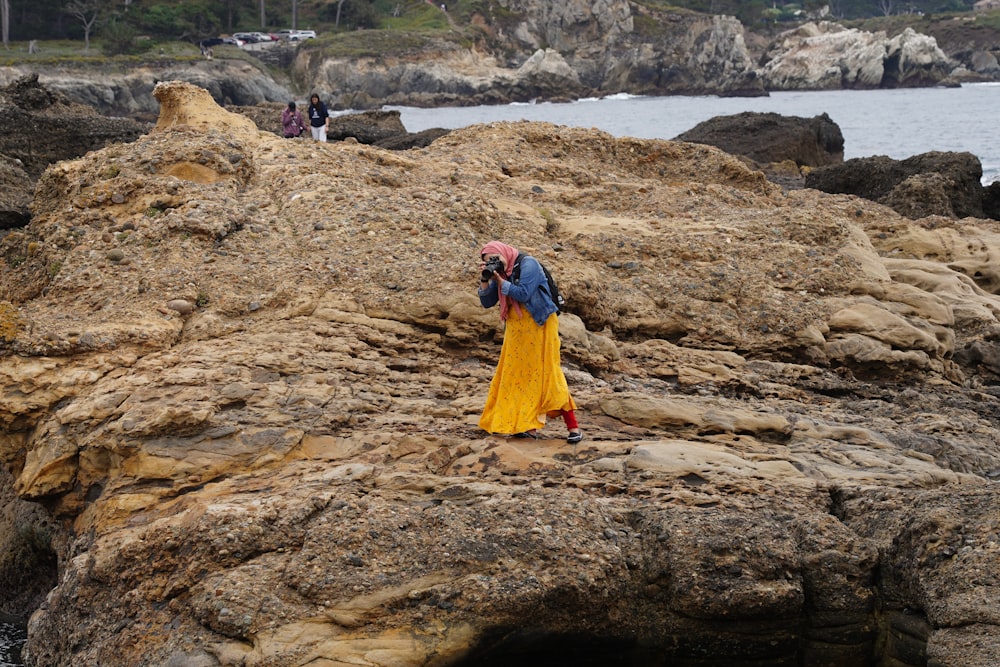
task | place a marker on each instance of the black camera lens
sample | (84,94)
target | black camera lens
(491,267)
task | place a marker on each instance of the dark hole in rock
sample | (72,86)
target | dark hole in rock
(534,649)
(831,640)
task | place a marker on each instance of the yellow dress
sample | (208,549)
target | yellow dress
(529,383)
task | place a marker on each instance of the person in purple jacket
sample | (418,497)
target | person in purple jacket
(292,124)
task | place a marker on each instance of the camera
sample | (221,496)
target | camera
(491,267)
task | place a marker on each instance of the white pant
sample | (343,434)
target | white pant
(319,133)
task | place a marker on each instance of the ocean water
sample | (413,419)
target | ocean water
(12,637)
(896,123)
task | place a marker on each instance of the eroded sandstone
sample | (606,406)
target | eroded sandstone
(789,456)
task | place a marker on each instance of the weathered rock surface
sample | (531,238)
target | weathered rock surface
(579,49)
(683,54)
(39,125)
(27,555)
(991,200)
(129,94)
(422,139)
(15,193)
(695,54)
(368,128)
(789,399)
(827,56)
(769,138)
(935,183)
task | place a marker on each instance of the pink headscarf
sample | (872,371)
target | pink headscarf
(509,255)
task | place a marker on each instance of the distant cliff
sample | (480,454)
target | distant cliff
(552,51)
(129,93)
(826,56)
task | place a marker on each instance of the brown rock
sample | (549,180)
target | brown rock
(768,138)
(778,430)
(957,186)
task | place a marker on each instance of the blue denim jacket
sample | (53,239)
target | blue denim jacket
(528,291)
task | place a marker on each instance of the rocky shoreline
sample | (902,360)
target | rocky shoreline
(571,51)
(241,377)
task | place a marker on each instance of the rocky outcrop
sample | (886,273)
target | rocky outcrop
(692,54)
(651,53)
(39,125)
(603,49)
(915,60)
(129,94)
(243,374)
(422,139)
(769,138)
(443,74)
(368,128)
(973,46)
(827,56)
(29,539)
(15,193)
(685,55)
(565,26)
(935,183)
(991,200)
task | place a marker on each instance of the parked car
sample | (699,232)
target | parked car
(246,37)
(296,35)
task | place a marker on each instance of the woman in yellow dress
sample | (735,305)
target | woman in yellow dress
(528,385)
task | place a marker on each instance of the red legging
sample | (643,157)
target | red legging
(569,416)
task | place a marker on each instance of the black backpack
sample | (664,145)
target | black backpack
(552,289)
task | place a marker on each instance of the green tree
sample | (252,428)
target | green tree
(87,12)
(188,20)
(352,13)
(119,38)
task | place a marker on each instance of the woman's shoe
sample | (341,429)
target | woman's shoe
(526,434)
(574,438)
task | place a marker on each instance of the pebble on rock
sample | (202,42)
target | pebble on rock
(182,306)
